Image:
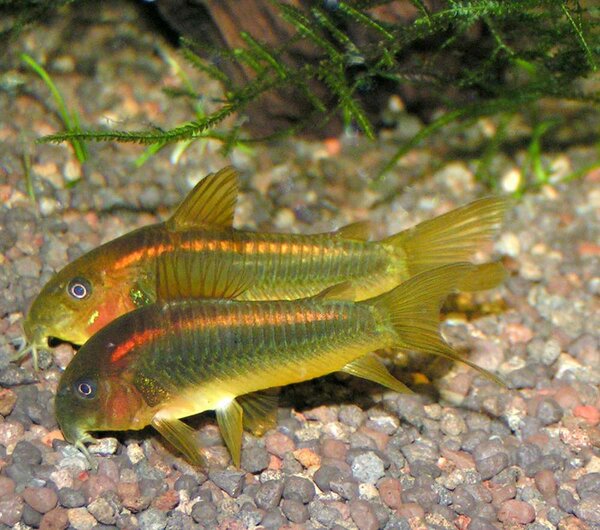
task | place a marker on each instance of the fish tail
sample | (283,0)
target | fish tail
(412,310)
(449,238)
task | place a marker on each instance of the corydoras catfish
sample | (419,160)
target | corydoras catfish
(118,276)
(169,360)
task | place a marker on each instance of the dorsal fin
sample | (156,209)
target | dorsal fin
(210,203)
(341,291)
(359,231)
(183,277)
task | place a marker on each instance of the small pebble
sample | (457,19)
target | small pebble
(11,509)
(27,453)
(514,511)
(324,475)
(204,512)
(231,482)
(71,498)
(152,519)
(255,459)
(549,411)
(492,465)
(363,515)
(588,485)
(298,488)
(57,519)
(81,519)
(368,467)
(102,510)
(8,398)
(274,519)
(294,510)
(41,500)
(279,444)
(269,494)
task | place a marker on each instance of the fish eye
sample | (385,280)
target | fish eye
(85,388)
(79,288)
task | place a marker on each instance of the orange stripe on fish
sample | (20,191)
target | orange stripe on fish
(245,247)
(137,339)
(224,321)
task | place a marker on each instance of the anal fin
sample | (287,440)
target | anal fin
(260,410)
(229,418)
(371,368)
(180,436)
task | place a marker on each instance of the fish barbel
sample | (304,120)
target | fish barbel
(118,276)
(167,361)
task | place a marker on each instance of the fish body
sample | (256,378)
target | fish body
(163,362)
(119,275)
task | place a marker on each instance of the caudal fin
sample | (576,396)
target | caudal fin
(452,237)
(413,310)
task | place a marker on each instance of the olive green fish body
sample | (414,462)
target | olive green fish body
(167,361)
(282,266)
(120,275)
(221,349)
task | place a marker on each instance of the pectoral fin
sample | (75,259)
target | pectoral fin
(260,410)
(182,276)
(229,418)
(210,204)
(371,368)
(180,436)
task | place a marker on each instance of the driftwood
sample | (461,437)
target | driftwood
(218,23)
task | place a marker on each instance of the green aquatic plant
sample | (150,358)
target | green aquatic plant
(525,51)
(69,118)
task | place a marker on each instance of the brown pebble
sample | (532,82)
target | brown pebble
(307,457)
(518,333)
(279,444)
(167,501)
(11,509)
(40,499)
(56,519)
(96,485)
(334,449)
(7,486)
(545,482)
(567,397)
(461,459)
(323,414)
(380,438)
(502,493)
(10,433)
(572,523)
(8,398)
(516,512)
(390,491)
(410,510)
(590,414)
(80,518)
(131,498)
(362,515)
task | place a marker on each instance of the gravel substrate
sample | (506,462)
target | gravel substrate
(460,453)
